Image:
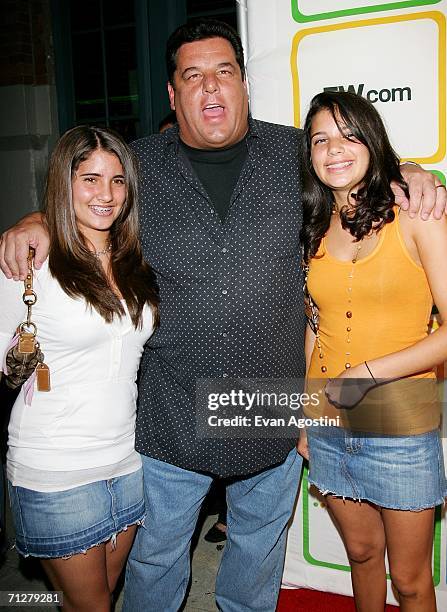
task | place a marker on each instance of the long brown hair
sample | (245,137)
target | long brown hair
(375,198)
(77,270)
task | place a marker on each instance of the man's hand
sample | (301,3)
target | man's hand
(15,243)
(427,194)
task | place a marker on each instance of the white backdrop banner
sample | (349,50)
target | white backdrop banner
(394,54)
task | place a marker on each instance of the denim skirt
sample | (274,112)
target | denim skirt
(396,472)
(65,523)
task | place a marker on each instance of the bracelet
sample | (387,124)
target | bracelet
(369,370)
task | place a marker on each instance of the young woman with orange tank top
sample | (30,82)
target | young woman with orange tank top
(373,275)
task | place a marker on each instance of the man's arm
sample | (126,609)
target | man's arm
(15,243)
(427,194)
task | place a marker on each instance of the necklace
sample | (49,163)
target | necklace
(348,315)
(107,249)
(349,311)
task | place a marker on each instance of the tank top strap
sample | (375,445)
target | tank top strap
(322,248)
(394,244)
(390,239)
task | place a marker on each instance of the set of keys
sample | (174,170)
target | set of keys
(27,331)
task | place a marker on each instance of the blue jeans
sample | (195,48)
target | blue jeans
(249,576)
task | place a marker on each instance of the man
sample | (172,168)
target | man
(220,219)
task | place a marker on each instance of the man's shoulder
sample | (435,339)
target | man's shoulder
(149,145)
(282,143)
(267,129)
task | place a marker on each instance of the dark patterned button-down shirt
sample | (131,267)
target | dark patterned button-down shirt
(231,294)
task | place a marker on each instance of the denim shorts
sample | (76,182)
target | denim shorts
(396,472)
(65,523)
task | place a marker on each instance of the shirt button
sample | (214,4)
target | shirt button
(224,334)
(224,292)
(225,375)
(224,250)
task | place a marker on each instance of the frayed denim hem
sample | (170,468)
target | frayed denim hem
(407,508)
(109,538)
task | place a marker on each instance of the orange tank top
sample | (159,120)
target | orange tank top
(389,310)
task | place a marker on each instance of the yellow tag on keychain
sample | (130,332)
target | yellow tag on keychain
(43,377)
(27,343)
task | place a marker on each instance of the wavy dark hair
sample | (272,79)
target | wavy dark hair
(75,267)
(202,28)
(374,198)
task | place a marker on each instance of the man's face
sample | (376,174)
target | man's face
(208,95)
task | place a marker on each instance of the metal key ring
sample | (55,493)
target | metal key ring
(29,298)
(29,328)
